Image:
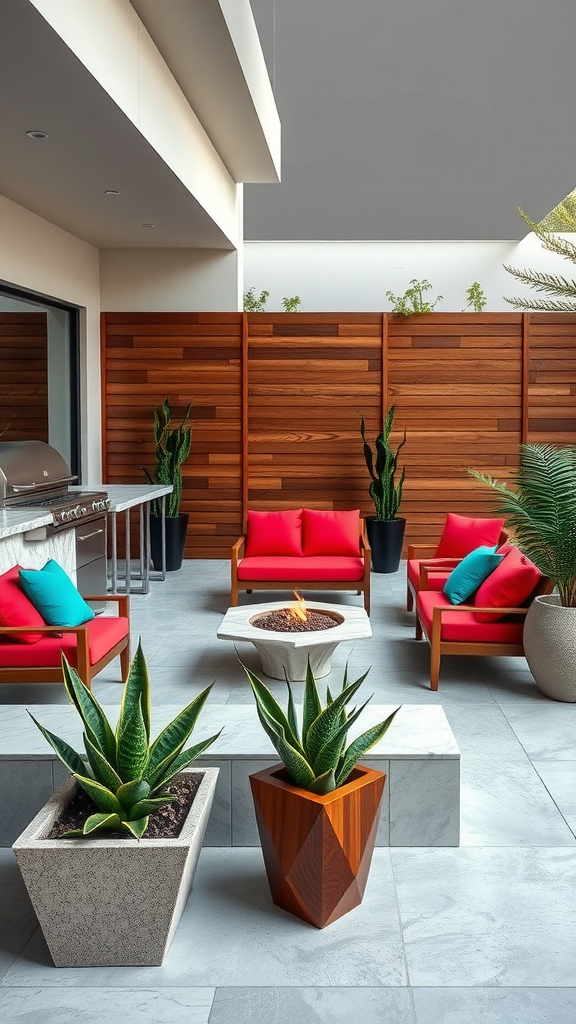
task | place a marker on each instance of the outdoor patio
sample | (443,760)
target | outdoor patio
(484,932)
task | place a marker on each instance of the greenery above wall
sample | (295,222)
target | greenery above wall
(291,305)
(255,303)
(562,290)
(476,298)
(413,301)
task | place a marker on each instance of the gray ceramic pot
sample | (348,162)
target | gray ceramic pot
(111,902)
(550,647)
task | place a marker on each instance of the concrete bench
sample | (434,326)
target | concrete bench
(421,803)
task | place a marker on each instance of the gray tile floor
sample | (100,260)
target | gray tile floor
(482,934)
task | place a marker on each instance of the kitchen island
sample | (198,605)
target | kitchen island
(23,541)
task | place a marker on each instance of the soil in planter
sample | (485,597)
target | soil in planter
(283,621)
(166,823)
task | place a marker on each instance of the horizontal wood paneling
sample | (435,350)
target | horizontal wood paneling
(287,434)
(23,377)
(185,357)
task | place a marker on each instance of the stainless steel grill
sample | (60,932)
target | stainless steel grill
(34,475)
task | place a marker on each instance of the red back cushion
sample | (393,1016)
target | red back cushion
(510,585)
(462,534)
(274,533)
(16,609)
(330,533)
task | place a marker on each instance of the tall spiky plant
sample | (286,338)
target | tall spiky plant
(315,754)
(561,289)
(384,491)
(172,449)
(541,512)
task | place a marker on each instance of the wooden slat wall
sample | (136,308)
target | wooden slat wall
(309,378)
(552,379)
(23,377)
(456,382)
(186,357)
(278,397)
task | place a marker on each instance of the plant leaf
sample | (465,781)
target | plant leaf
(324,727)
(132,792)
(171,740)
(172,766)
(104,799)
(323,784)
(132,755)
(144,808)
(98,823)
(137,688)
(311,703)
(360,745)
(70,759)
(103,771)
(266,700)
(95,721)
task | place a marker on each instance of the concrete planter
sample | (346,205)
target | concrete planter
(550,647)
(111,902)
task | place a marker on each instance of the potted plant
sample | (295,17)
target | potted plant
(386,528)
(111,889)
(318,811)
(172,449)
(541,513)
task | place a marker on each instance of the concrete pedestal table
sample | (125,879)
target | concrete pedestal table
(289,652)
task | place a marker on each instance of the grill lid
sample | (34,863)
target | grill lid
(28,468)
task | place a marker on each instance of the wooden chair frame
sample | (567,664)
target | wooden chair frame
(361,586)
(426,551)
(438,647)
(86,671)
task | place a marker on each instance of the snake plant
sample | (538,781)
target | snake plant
(384,491)
(172,449)
(123,773)
(541,512)
(316,756)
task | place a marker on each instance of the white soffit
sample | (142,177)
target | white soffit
(213,50)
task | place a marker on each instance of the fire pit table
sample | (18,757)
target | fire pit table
(284,652)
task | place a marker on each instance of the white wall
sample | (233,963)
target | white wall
(355,276)
(37,255)
(169,280)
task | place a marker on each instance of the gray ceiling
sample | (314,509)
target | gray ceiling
(417,119)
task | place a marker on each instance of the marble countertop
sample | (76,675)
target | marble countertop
(417,732)
(125,496)
(15,521)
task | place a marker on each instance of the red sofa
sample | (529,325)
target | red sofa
(490,622)
(303,548)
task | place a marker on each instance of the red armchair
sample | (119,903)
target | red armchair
(303,548)
(460,536)
(489,623)
(89,647)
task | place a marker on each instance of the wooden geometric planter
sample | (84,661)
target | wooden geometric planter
(317,849)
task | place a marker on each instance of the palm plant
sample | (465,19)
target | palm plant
(561,289)
(541,512)
(384,491)
(123,773)
(315,755)
(172,449)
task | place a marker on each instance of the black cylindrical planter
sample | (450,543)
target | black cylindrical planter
(176,527)
(385,537)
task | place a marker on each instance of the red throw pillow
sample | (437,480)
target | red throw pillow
(16,609)
(330,533)
(509,586)
(274,533)
(462,534)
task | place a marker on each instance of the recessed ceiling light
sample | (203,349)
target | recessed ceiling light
(34,134)
(147,225)
(111,192)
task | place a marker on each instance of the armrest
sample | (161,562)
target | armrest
(439,610)
(365,550)
(238,550)
(57,630)
(122,600)
(436,565)
(413,550)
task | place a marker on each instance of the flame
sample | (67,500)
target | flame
(298,611)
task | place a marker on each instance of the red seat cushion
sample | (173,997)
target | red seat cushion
(510,585)
(436,580)
(330,533)
(464,626)
(103,633)
(461,534)
(16,609)
(274,533)
(318,567)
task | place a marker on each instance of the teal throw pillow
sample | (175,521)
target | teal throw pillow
(53,594)
(467,576)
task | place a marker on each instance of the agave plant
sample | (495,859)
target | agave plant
(541,512)
(384,491)
(172,449)
(123,773)
(316,756)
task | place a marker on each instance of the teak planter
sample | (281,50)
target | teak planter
(317,849)
(111,902)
